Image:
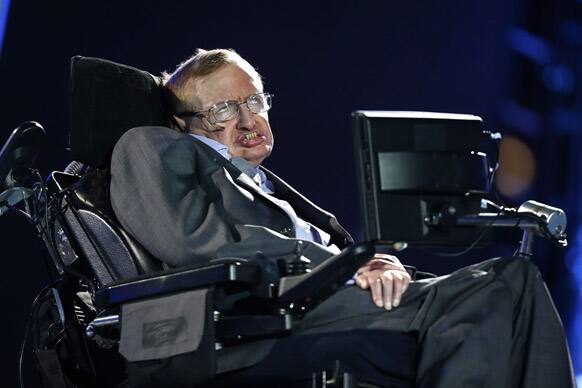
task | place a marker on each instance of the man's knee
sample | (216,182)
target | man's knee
(519,274)
(516,266)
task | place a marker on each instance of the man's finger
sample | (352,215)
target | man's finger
(363,269)
(362,282)
(376,288)
(407,280)
(383,265)
(405,284)
(388,280)
(398,288)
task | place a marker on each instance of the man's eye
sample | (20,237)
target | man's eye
(258,103)
(258,99)
(222,109)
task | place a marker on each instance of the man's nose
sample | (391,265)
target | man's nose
(246,118)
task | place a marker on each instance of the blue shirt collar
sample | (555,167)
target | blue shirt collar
(259,175)
(216,146)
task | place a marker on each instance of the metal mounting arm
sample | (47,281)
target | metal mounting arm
(534,218)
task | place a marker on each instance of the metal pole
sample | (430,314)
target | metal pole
(526,244)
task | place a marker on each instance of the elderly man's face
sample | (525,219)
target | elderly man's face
(232,83)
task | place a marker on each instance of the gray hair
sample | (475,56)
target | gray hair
(202,63)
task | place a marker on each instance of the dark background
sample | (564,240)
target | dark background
(514,63)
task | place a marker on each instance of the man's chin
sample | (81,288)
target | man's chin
(256,155)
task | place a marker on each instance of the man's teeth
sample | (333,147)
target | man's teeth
(250,136)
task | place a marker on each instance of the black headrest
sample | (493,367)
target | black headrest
(107,99)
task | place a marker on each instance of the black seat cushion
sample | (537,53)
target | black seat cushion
(107,99)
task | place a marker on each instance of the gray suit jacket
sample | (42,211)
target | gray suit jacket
(186,204)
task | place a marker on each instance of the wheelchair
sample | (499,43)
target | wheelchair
(84,324)
(118,317)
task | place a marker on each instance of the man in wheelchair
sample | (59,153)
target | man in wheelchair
(200,193)
(219,100)
(195,201)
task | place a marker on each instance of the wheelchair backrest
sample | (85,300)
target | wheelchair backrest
(86,227)
(107,99)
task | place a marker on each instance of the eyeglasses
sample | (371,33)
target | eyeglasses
(229,110)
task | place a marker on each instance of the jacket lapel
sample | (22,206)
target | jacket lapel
(304,208)
(235,175)
(309,211)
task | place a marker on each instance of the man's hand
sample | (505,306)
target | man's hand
(386,278)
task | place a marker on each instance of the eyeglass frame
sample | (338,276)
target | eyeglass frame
(207,113)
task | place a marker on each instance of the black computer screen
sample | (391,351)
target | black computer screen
(412,165)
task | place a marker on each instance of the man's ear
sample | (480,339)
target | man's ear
(208,127)
(180,123)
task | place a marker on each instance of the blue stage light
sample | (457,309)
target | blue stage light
(522,118)
(533,47)
(559,78)
(565,120)
(573,261)
(4,6)
(571,32)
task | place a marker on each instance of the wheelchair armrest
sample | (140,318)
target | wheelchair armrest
(296,294)
(160,283)
(305,290)
(312,288)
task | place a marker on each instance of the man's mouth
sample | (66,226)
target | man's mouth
(251,139)
(250,136)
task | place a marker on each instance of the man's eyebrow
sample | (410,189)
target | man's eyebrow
(210,105)
(240,99)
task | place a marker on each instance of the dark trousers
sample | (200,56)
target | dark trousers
(492,324)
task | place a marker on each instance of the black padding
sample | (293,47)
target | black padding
(88,248)
(112,254)
(93,194)
(109,245)
(143,260)
(107,99)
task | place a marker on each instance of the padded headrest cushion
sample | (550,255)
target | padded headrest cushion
(107,99)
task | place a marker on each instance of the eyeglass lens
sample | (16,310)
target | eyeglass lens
(227,110)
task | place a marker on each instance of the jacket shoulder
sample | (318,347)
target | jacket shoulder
(143,135)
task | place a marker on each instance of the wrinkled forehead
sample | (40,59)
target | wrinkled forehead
(230,82)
